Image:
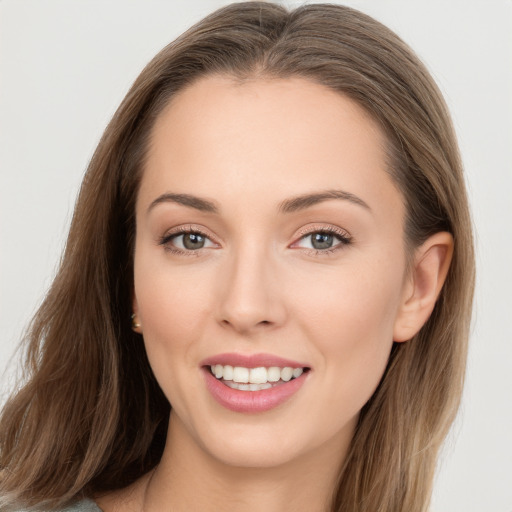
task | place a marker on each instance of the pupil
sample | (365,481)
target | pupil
(193,241)
(322,241)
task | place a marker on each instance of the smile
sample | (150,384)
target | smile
(253,383)
(254,379)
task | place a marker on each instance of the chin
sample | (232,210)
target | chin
(250,454)
(265,445)
(249,441)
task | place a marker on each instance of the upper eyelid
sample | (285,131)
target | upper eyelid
(189,228)
(325,229)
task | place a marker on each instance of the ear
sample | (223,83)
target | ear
(421,290)
(136,324)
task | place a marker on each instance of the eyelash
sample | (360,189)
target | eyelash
(183,230)
(343,237)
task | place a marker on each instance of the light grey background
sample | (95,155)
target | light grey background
(65,66)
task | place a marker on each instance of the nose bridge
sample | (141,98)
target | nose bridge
(249,297)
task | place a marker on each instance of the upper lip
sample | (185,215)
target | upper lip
(251,361)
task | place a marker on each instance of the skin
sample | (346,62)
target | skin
(259,286)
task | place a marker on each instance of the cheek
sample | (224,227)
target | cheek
(351,304)
(169,299)
(170,313)
(173,310)
(350,317)
(173,307)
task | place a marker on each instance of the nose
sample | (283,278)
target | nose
(251,295)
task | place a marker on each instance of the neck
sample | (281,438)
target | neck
(189,477)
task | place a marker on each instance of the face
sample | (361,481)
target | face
(269,235)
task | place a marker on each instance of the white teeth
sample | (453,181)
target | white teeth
(297,372)
(218,371)
(240,374)
(258,375)
(248,387)
(274,374)
(228,372)
(251,379)
(286,373)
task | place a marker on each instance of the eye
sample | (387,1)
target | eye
(323,240)
(186,240)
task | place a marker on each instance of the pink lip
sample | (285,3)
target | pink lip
(251,361)
(251,401)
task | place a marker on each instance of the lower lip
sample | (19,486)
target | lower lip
(252,401)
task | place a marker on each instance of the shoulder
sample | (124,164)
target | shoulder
(80,506)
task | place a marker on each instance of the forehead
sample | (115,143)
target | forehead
(267,138)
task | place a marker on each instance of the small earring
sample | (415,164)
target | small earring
(135,325)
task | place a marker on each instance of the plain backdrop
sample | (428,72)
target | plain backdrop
(66,64)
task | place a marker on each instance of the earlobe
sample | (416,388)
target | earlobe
(136,324)
(427,276)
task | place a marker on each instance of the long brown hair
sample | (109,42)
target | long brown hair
(90,416)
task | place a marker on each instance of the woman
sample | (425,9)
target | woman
(265,295)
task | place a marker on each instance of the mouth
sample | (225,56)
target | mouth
(255,379)
(253,383)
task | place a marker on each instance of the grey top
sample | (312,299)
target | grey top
(80,506)
(83,506)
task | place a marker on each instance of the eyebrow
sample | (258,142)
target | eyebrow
(291,205)
(307,200)
(189,200)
